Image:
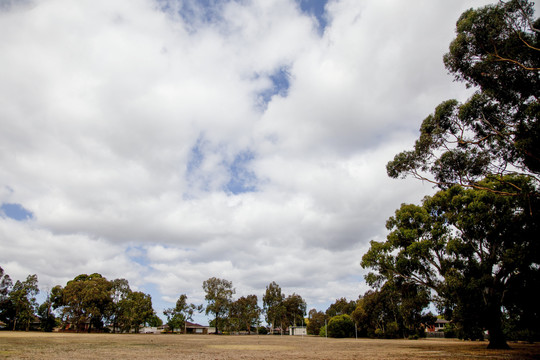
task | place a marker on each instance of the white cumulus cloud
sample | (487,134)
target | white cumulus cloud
(165,142)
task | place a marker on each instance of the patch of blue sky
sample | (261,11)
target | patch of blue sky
(196,157)
(242,179)
(137,254)
(15,212)
(315,8)
(281,81)
(197,178)
(193,12)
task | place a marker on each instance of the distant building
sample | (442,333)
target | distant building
(297,330)
(192,328)
(150,330)
(438,326)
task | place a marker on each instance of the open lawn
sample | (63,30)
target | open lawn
(22,345)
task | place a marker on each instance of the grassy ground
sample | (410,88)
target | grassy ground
(22,345)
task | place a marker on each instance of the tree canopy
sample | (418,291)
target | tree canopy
(219,294)
(496,132)
(273,304)
(182,312)
(244,313)
(23,302)
(468,246)
(341,306)
(473,247)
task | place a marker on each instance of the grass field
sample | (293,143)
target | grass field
(22,345)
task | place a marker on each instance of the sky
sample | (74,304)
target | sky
(170,141)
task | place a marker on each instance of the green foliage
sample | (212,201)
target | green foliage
(244,313)
(295,310)
(135,310)
(340,307)
(469,246)
(177,316)
(341,326)
(23,300)
(322,331)
(219,296)
(47,319)
(273,304)
(85,301)
(395,310)
(18,301)
(6,307)
(45,312)
(154,320)
(280,310)
(496,132)
(120,290)
(316,321)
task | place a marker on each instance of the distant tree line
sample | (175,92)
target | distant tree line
(393,311)
(91,303)
(396,308)
(87,303)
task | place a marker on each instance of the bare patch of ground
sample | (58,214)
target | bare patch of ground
(23,345)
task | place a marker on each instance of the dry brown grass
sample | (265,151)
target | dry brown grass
(21,345)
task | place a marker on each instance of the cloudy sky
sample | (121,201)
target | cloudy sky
(169,141)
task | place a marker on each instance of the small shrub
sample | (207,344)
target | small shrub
(341,326)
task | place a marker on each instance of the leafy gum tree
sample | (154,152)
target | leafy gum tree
(5,305)
(273,304)
(120,290)
(85,299)
(341,306)
(394,309)
(219,296)
(182,312)
(295,310)
(316,321)
(23,299)
(490,143)
(468,246)
(497,131)
(46,314)
(136,310)
(244,313)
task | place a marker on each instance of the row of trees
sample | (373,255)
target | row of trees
(392,311)
(90,302)
(86,303)
(93,303)
(473,247)
(396,309)
(242,314)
